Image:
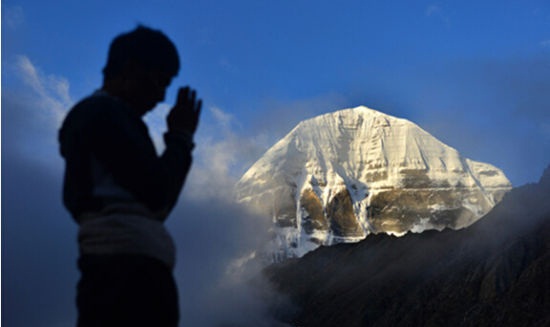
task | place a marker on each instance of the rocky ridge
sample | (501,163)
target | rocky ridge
(493,273)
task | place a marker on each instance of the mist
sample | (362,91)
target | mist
(39,252)
(218,277)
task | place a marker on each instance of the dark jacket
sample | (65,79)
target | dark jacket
(110,159)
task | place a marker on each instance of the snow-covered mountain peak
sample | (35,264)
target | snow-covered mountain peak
(342,175)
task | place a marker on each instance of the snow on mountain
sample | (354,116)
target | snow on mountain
(341,176)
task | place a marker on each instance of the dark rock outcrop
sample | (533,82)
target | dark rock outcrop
(493,273)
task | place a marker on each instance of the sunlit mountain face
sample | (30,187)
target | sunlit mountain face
(340,177)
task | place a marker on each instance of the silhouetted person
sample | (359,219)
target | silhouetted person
(120,191)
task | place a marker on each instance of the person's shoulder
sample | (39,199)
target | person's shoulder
(93,109)
(97,103)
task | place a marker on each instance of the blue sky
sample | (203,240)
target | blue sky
(475,74)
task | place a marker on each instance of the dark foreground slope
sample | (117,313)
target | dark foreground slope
(494,273)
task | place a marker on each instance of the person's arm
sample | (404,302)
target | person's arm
(121,143)
(182,122)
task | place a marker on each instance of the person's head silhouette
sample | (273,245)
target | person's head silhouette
(140,66)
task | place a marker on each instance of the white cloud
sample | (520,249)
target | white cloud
(50,92)
(34,110)
(221,156)
(223,118)
(545,44)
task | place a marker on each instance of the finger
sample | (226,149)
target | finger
(193,97)
(183,94)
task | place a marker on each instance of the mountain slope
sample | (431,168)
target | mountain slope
(493,273)
(341,176)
